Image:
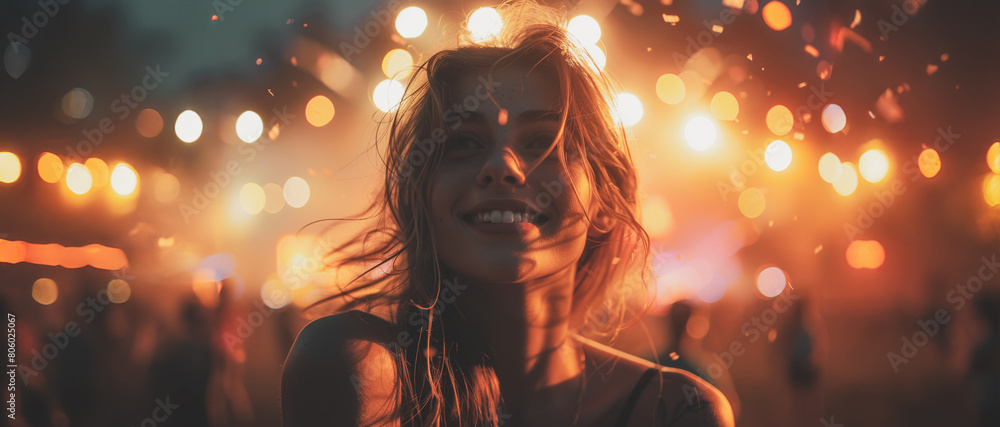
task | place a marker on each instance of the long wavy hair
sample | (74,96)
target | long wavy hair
(395,262)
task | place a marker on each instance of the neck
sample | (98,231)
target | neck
(525,326)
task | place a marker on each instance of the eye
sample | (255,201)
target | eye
(541,142)
(461,142)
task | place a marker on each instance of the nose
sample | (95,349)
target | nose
(502,166)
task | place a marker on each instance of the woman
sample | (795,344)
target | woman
(506,232)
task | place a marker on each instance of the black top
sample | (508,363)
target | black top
(634,397)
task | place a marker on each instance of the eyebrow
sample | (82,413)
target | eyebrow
(525,117)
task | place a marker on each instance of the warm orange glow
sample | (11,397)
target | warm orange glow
(319,111)
(149,123)
(670,89)
(74,257)
(656,217)
(834,119)
(873,165)
(865,254)
(829,168)
(752,202)
(777,16)
(396,64)
(725,106)
(10,167)
(12,252)
(206,287)
(929,162)
(44,291)
(50,167)
(99,172)
(119,291)
(848,180)
(991,189)
(779,120)
(771,281)
(124,179)
(993,157)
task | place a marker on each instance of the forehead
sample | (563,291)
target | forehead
(512,87)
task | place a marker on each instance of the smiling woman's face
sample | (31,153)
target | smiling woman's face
(480,194)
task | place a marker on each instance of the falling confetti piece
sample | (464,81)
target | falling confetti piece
(931,69)
(824,69)
(502,117)
(818,249)
(812,51)
(259,60)
(881,58)
(215,17)
(295,62)
(857,19)
(944,57)
(671,19)
(802,85)
(717,29)
(888,107)
(270,92)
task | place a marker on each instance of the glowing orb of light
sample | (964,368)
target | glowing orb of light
(874,165)
(388,94)
(249,126)
(779,120)
(585,29)
(777,16)
(411,22)
(700,133)
(829,168)
(929,162)
(670,89)
(484,23)
(834,119)
(725,106)
(628,109)
(778,155)
(188,126)
(771,281)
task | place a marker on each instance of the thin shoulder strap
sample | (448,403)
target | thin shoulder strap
(634,397)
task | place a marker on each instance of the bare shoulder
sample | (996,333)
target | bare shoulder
(674,397)
(340,371)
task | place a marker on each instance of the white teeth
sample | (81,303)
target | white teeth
(508,217)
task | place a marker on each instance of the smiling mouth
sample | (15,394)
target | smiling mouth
(504,217)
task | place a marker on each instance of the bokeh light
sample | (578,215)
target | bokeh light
(77,103)
(50,167)
(275,294)
(834,119)
(829,168)
(777,16)
(397,63)
(991,189)
(166,187)
(778,155)
(44,291)
(779,120)
(411,22)
(771,281)
(586,29)
(124,179)
(929,162)
(874,165)
(119,291)
(752,202)
(657,218)
(149,123)
(10,167)
(597,58)
(78,179)
(249,126)
(865,254)
(319,111)
(100,173)
(296,192)
(387,95)
(993,157)
(484,23)
(252,198)
(274,198)
(627,109)
(725,106)
(848,180)
(700,133)
(188,126)
(670,89)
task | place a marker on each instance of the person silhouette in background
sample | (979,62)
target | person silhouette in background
(684,351)
(985,364)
